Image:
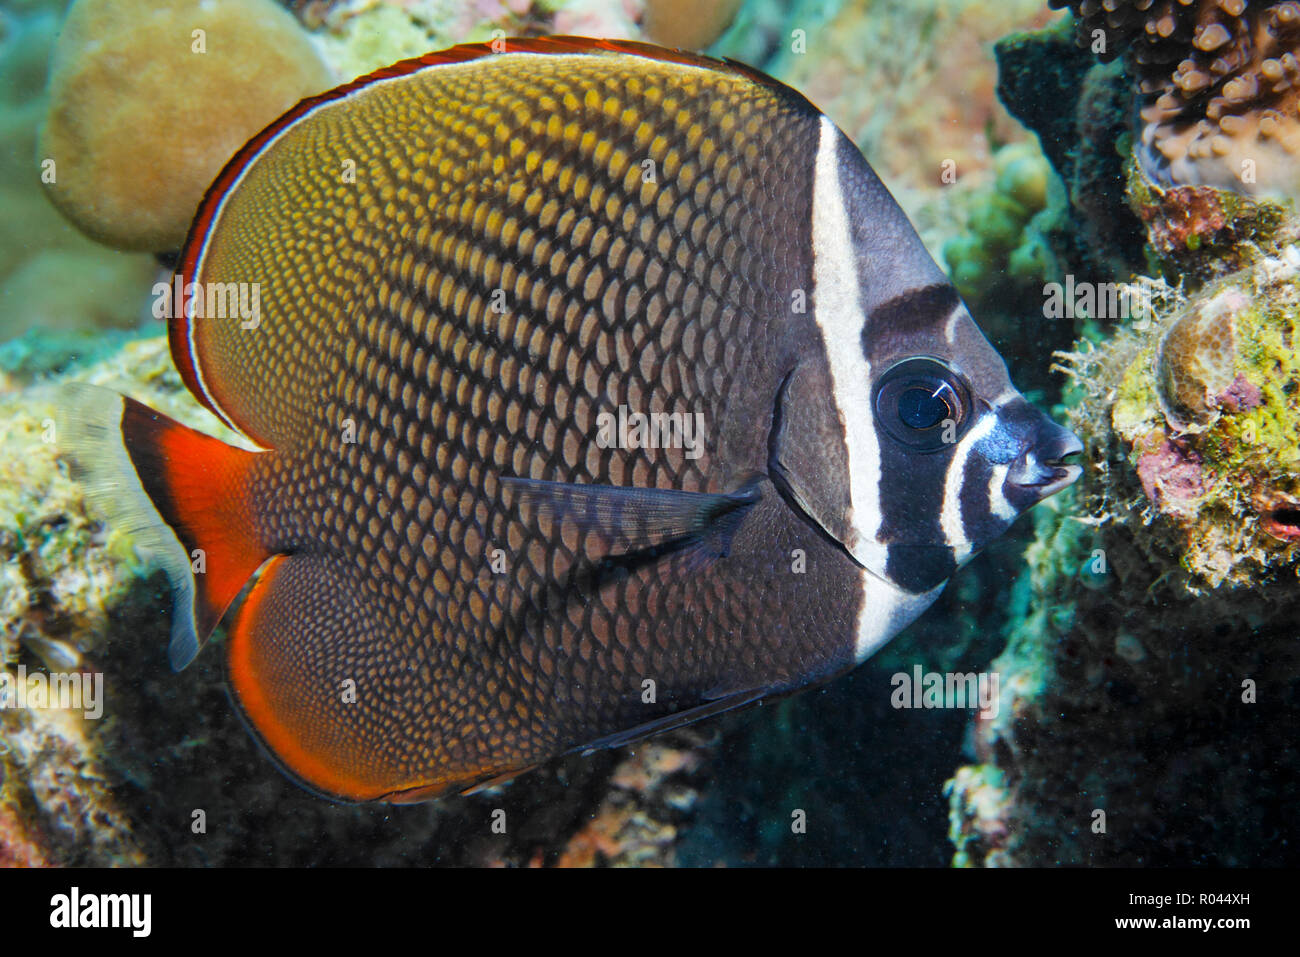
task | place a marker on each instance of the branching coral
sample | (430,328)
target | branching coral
(1219,86)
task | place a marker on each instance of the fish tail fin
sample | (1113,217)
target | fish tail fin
(179,493)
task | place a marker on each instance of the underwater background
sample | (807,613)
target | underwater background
(1062,164)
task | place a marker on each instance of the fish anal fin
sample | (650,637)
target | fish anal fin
(287,662)
(298,657)
(678,719)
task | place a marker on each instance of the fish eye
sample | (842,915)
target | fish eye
(916,400)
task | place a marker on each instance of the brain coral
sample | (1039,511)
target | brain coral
(1219,86)
(145,110)
(1194,362)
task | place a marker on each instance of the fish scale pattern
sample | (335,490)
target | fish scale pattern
(461,270)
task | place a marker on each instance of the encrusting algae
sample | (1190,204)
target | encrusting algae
(1209,412)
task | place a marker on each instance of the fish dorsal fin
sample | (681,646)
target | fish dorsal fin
(564,45)
(325,243)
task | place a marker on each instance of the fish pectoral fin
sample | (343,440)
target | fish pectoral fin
(642,524)
(677,719)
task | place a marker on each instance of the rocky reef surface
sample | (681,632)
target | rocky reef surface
(1152,661)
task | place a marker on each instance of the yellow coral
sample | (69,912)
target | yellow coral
(150,99)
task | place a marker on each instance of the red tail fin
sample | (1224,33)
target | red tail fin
(182,494)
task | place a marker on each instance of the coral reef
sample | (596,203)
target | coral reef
(357,36)
(1003,253)
(910,82)
(686,23)
(16,848)
(652,792)
(1149,653)
(1119,220)
(40,351)
(977,827)
(1152,656)
(1217,84)
(1207,411)
(1199,233)
(190,81)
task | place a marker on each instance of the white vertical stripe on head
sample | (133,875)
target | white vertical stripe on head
(998,503)
(886,609)
(838,313)
(954,319)
(950,521)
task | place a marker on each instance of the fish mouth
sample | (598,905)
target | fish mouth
(1048,472)
(1062,477)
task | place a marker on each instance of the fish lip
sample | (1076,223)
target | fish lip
(1062,477)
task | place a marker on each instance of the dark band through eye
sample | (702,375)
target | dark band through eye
(922,403)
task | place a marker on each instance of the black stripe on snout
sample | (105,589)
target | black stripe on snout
(914,309)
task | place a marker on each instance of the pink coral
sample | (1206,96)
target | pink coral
(1242,396)
(1171,473)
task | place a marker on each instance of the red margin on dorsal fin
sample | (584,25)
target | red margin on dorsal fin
(178,333)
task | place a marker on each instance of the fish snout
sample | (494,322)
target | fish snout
(1042,469)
